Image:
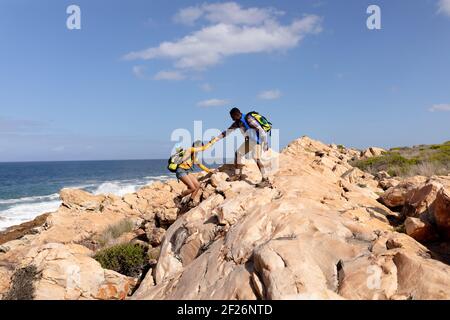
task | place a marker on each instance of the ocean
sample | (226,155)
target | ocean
(29,189)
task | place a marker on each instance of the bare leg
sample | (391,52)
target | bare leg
(196,184)
(191,187)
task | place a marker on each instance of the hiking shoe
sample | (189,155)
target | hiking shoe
(236,177)
(265,183)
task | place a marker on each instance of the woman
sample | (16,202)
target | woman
(184,171)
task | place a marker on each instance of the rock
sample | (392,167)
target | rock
(218,178)
(155,236)
(399,195)
(5,280)
(136,203)
(422,279)
(320,233)
(382,175)
(166,217)
(372,152)
(420,199)
(67,272)
(79,199)
(368,278)
(419,230)
(441,212)
(388,183)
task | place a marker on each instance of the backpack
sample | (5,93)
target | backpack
(175,160)
(265,124)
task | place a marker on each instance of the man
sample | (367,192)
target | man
(255,142)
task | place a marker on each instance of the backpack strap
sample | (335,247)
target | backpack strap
(244,121)
(247,126)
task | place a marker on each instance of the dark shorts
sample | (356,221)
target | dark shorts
(182,173)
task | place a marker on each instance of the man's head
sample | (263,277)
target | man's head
(235,114)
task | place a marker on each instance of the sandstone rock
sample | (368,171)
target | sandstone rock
(419,230)
(5,280)
(136,202)
(79,199)
(166,217)
(420,199)
(372,152)
(67,272)
(422,279)
(320,233)
(399,195)
(388,183)
(382,175)
(441,212)
(155,236)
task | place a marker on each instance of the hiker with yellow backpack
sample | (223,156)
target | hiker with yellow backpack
(256,129)
(182,164)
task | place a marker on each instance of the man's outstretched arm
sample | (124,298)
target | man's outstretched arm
(233,127)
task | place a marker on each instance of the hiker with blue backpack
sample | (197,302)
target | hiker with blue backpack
(256,129)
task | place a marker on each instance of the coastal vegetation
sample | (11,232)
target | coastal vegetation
(425,160)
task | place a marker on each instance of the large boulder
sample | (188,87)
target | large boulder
(399,195)
(422,279)
(441,212)
(420,230)
(79,199)
(67,272)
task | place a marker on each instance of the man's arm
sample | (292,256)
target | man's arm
(233,127)
(254,124)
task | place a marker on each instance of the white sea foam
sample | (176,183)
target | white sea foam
(115,188)
(27,208)
(30,199)
(25,212)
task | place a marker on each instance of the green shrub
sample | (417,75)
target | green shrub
(22,284)
(128,259)
(424,160)
(392,162)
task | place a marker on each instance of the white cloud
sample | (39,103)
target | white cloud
(169,75)
(232,31)
(228,12)
(444,7)
(440,107)
(139,71)
(206,87)
(270,94)
(213,103)
(188,15)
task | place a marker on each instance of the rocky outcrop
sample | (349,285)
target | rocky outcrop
(441,211)
(372,152)
(68,272)
(424,203)
(318,233)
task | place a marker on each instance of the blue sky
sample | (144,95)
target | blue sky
(112,91)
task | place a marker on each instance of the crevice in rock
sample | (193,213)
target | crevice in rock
(339,275)
(145,271)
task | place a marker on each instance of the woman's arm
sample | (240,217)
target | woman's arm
(201,149)
(201,166)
